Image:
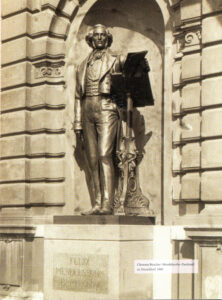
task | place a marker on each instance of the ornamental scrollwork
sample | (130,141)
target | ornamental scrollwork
(49,69)
(185,40)
(192,38)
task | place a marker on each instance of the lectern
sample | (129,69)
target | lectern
(131,89)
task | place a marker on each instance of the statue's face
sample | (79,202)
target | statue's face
(99,38)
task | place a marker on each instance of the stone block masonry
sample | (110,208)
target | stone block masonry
(198,52)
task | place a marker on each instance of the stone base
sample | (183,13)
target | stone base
(95,260)
(93,257)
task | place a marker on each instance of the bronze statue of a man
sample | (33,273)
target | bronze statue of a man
(96,115)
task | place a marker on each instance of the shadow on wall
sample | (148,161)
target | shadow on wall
(81,160)
(215,5)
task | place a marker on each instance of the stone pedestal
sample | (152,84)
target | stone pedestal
(93,258)
(83,258)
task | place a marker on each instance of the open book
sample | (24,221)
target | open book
(134,80)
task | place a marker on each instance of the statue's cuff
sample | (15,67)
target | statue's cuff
(77,125)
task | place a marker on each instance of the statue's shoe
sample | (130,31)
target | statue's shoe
(106,211)
(106,208)
(95,210)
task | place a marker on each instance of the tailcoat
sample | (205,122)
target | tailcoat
(111,63)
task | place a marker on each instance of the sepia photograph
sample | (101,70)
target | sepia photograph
(111,150)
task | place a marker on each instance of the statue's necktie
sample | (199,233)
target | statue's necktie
(95,65)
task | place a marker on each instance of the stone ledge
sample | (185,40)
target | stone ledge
(32,50)
(43,96)
(36,121)
(35,170)
(10,7)
(43,23)
(17,229)
(26,74)
(33,221)
(118,220)
(34,146)
(26,195)
(199,220)
(99,232)
(203,232)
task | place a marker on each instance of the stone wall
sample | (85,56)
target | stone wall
(40,176)
(38,169)
(33,104)
(197,106)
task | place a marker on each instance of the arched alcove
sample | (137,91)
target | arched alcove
(135,27)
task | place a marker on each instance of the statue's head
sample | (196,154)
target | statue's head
(99,37)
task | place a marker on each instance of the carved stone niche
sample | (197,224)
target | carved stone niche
(144,32)
(208,251)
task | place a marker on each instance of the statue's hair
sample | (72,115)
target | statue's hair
(90,35)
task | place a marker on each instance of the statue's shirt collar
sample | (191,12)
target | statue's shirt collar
(96,54)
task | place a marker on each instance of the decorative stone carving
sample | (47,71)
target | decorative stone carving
(187,38)
(192,38)
(47,69)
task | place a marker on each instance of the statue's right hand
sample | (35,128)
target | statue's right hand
(79,135)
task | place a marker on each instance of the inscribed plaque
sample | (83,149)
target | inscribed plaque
(80,273)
